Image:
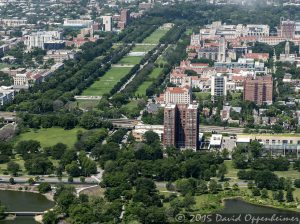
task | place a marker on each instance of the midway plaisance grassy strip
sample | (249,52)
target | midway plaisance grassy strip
(116,76)
(175,36)
(141,91)
(84,104)
(155,36)
(142,48)
(144,73)
(79,73)
(130,60)
(106,83)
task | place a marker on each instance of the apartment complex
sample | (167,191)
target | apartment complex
(38,39)
(178,95)
(181,126)
(259,89)
(107,22)
(218,85)
(124,18)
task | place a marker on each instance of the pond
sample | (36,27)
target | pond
(240,206)
(24,201)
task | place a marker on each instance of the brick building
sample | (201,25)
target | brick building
(181,126)
(287,29)
(259,90)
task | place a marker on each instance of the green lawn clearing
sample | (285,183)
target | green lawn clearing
(155,36)
(130,60)
(51,136)
(202,96)
(141,91)
(106,82)
(142,48)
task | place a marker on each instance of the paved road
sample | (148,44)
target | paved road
(219,129)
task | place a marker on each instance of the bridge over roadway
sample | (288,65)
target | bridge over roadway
(25,213)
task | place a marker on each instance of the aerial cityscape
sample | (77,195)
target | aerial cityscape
(149,111)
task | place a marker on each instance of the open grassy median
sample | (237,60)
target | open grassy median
(130,60)
(141,91)
(106,82)
(142,48)
(51,136)
(155,36)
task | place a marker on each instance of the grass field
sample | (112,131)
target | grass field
(141,91)
(4,65)
(94,192)
(155,36)
(232,172)
(130,60)
(82,103)
(18,159)
(291,173)
(131,105)
(106,82)
(51,136)
(202,96)
(142,48)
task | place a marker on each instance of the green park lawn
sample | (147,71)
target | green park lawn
(141,91)
(4,65)
(142,48)
(18,159)
(130,60)
(203,96)
(232,172)
(106,82)
(87,104)
(131,105)
(155,36)
(51,136)
(291,173)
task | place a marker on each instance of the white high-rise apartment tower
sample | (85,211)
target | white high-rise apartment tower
(107,22)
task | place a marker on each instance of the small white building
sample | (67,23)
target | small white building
(215,141)
(7,95)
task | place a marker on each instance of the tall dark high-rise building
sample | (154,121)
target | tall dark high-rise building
(124,18)
(181,126)
(259,90)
